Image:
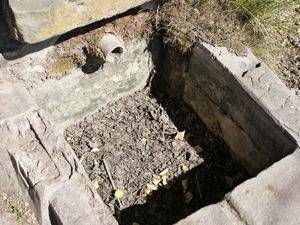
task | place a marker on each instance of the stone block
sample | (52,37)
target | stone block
(49,173)
(77,95)
(273,197)
(256,130)
(14,100)
(217,214)
(37,20)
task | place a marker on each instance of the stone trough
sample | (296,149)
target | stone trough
(237,97)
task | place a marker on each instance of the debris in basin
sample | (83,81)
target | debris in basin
(161,179)
(185,168)
(180,136)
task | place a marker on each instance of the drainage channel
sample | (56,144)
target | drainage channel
(160,156)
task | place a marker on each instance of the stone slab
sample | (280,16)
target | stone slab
(217,214)
(49,172)
(77,95)
(37,20)
(264,86)
(273,197)
(255,130)
(14,100)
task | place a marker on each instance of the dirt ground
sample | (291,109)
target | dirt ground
(15,208)
(161,157)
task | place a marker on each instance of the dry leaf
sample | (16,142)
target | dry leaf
(156,180)
(95,184)
(185,184)
(95,162)
(185,168)
(118,193)
(180,136)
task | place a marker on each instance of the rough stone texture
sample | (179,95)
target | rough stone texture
(37,20)
(39,171)
(218,214)
(14,100)
(49,172)
(263,86)
(75,96)
(254,129)
(273,197)
(7,219)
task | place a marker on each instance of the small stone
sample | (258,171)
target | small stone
(164,172)
(95,150)
(151,187)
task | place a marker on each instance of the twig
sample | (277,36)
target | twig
(198,187)
(111,181)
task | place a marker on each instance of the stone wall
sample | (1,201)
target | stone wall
(240,100)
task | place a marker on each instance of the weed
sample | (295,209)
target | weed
(178,21)
(269,27)
(16,211)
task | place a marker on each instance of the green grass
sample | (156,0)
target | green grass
(265,16)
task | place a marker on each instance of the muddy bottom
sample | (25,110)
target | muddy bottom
(160,155)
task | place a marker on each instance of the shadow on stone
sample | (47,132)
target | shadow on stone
(207,183)
(12,49)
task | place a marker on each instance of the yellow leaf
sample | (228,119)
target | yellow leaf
(185,168)
(95,184)
(180,136)
(95,162)
(118,193)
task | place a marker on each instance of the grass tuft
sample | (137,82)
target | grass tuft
(177,19)
(271,28)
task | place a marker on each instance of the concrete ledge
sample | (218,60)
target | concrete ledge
(218,214)
(273,197)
